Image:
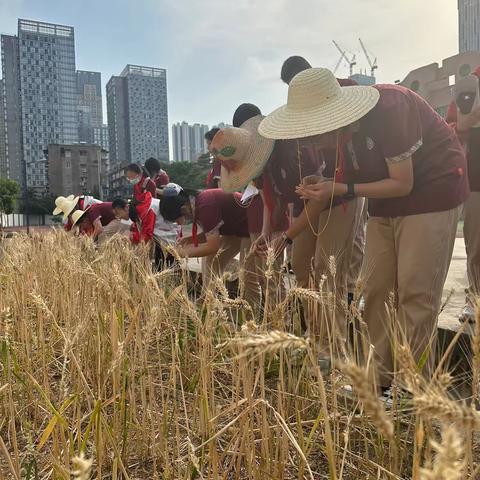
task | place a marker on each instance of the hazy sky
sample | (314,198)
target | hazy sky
(220,53)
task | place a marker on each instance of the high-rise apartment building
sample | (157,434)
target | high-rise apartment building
(38,68)
(3,146)
(100,136)
(469,25)
(188,141)
(89,104)
(137,115)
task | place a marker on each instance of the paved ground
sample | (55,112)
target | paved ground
(456,281)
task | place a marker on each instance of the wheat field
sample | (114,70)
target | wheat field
(111,371)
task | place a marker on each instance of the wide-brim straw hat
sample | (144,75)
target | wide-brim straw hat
(77,215)
(242,152)
(317,104)
(60,203)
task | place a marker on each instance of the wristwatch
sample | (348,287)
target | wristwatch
(287,239)
(350,191)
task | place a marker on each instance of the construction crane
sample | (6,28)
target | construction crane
(351,62)
(373,65)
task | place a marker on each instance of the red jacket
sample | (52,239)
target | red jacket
(146,184)
(142,230)
(470,141)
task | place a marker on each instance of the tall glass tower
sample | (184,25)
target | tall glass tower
(39,70)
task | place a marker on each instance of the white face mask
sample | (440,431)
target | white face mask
(134,181)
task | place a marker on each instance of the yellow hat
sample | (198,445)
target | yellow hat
(242,152)
(65,205)
(77,215)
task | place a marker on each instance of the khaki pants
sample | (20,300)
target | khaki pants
(358,250)
(471,233)
(327,325)
(274,285)
(409,256)
(230,247)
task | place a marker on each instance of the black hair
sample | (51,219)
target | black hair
(119,203)
(132,211)
(244,112)
(137,168)
(211,133)
(134,167)
(171,207)
(292,66)
(152,165)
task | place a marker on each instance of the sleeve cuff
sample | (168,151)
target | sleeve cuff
(406,155)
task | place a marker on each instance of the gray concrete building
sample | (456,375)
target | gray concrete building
(38,67)
(12,109)
(137,115)
(188,141)
(469,25)
(435,82)
(118,184)
(78,169)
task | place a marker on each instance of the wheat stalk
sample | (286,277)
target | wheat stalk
(269,342)
(82,467)
(434,404)
(363,387)
(449,462)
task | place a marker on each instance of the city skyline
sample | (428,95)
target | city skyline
(138,115)
(188,141)
(213,68)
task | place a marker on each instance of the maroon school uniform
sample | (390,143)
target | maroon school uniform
(215,209)
(161,179)
(401,125)
(279,220)
(102,211)
(286,168)
(214,174)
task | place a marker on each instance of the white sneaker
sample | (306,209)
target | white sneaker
(361,305)
(467,315)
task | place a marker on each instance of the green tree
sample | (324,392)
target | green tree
(9,190)
(189,175)
(38,205)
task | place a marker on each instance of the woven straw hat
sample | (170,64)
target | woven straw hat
(77,215)
(242,152)
(318,104)
(65,205)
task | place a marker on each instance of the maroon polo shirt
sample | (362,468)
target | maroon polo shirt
(215,209)
(103,211)
(401,125)
(161,179)
(214,174)
(279,220)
